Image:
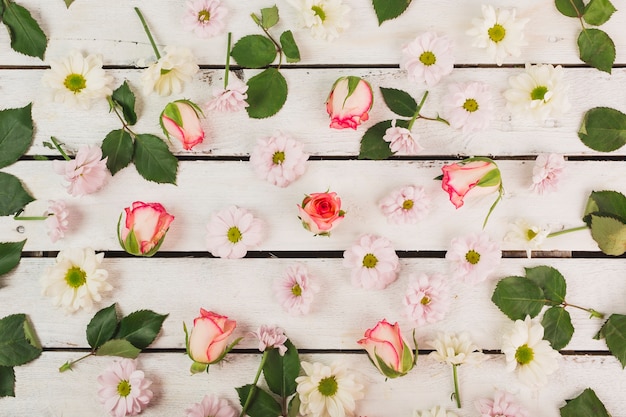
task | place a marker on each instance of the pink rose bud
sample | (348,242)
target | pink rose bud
(181,119)
(348,102)
(388,350)
(208,341)
(459,179)
(144,228)
(321,212)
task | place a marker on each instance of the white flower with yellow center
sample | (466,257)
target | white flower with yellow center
(169,74)
(529,235)
(326,19)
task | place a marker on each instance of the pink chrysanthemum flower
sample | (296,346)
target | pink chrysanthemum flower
(271,337)
(85,173)
(279,159)
(406,205)
(547,172)
(56,222)
(205,17)
(401,140)
(373,261)
(232,232)
(124,390)
(296,290)
(230,99)
(428,58)
(426,299)
(473,257)
(212,405)
(502,405)
(468,106)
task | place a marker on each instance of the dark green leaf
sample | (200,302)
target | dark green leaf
(609,234)
(118,347)
(373,146)
(141,327)
(16,134)
(399,102)
(254,51)
(118,148)
(124,96)
(267,93)
(68,3)
(7,381)
(614,331)
(570,8)
(26,35)
(13,196)
(586,404)
(153,159)
(261,405)
(269,17)
(518,297)
(606,203)
(281,371)
(10,255)
(558,329)
(603,129)
(596,49)
(598,12)
(389,9)
(16,344)
(290,48)
(551,282)
(102,326)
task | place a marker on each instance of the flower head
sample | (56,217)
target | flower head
(144,228)
(56,222)
(388,350)
(321,212)
(426,299)
(271,337)
(373,261)
(530,236)
(168,75)
(468,106)
(349,102)
(212,405)
(181,119)
(76,280)
(205,18)
(406,205)
(428,58)
(401,140)
(547,172)
(124,390)
(230,99)
(502,405)
(436,411)
(296,289)
(326,19)
(207,342)
(279,159)
(470,174)
(232,232)
(473,257)
(85,173)
(78,80)
(455,349)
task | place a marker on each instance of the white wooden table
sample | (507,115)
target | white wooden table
(184,277)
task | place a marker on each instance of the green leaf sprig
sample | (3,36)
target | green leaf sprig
(26,36)
(605,215)
(18,346)
(109,336)
(586,404)
(603,129)
(389,9)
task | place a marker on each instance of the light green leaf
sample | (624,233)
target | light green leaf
(267,93)
(281,371)
(389,9)
(269,17)
(125,98)
(614,331)
(153,159)
(254,51)
(586,404)
(26,36)
(118,148)
(603,129)
(518,297)
(373,146)
(290,48)
(68,3)
(294,406)
(557,325)
(606,203)
(10,255)
(570,8)
(102,326)
(7,381)
(17,346)
(118,347)
(141,327)
(596,49)
(551,282)
(262,403)
(13,196)
(399,102)
(598,12)
(16,134)
(490,179)
(609,234)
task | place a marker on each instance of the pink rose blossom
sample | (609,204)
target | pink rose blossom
(181,119)
(207,342)
(373,261)
(321,212)
(406,205)
(426,299)
(56,222)
(85,173)
(271,338)
(502,405)
(428,58)
(230,99)
(279,159)
(473,258)
(232,232)
(468,106)
(296,289)
(205,17)
(124,390)
(212,405)
(148,222)
(547,172)
(385,344)
(459,179)
(348,109)
(401,140)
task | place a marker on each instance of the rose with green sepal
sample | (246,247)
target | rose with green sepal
(181,119)
(387,349)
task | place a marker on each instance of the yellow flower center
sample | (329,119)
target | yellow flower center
(204,16)
(328,386)
(428,58)
(470,105)
(407,205)
(524,355)
(472,257)
(75,83)
(496,33)
(530,234)
(539,92)
(319,12)
(425,300)
(75,277)
(234,234)
(278,158)
(123,388)
(370,261)
(296,290)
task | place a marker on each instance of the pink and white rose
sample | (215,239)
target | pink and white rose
(321,212)
(181,119)
(459,179)
(349,102)
(388,350)
(207,343)
(144,228)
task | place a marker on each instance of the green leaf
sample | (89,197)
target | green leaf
(558,329)
(118,148)
(16,134)
(389,9)
(267,93)
(254,51)
(518,297)
(570,8)
(17,346)
(269,17)
(598,12)
(609,234)
(7,381)
(118,347)
(141,327)
(294,406)
(586,404)
(26,35)
(614,331)
(153,159)
(551,282)
(261,405)
(13,196)
(373,146)
(607,203)
(281,371)
(596,49)
(289,46)
(490,179)
(399,102)
(10,255)
(68,3)
(124,96)
(603,129)
(102,326)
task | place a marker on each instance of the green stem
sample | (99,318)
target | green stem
(253,388)
(119,116)
(57,145)
(147,29)
(30,217)
(457,395)
(227,68)
(279,49)
(493,206)
(562,232)
(417,111)
(67,366)
(591,311)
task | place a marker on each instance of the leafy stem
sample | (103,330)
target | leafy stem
(67,366)
(578,13)
(279,49)
(113,107)
(417,114)
(147,30)
(253,388)
(591,311)
(562,232)
(57,145)
(456,394)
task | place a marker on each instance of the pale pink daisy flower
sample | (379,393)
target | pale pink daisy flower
(401,140)
(406,205)
(56,222)
(205,17)
(426,299)
(211,405)
(428,58)
(124,390)
(547,172)
(230,99)
(468,106)
(279,159)
(271,337)
(296,290)
(502,405)
(373,261)
(85,173)
(232,232)
(473,257)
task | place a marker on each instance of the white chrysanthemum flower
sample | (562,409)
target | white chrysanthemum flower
(325,18)
(499,32)
(529,235)
(428,58)
(78,80)
(540,92)
(328,391)
(527,352)
(455,349)
(468,106)
(76,280)
(168,75)
(436,411)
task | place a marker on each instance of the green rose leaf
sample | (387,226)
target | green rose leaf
(7,381)
(290,48)
(269,17)
(598,12)
(558,328)
(267,93)
(596,49)
(10,255)
(518,297)
(16,134)
(586,404)
(609,234)
(141,327)
(26,36)
(254,51)
(153,159)
(13,196)
(606,203)
(551,282)
(614,331)
(294,406)
(68,3)
(603,129)
(389,9)
(373,146)
(570,8)
(102,326)
(17,341)
(281,371)
(118,347)
(117,146)
(261,405)
(125,98)
(399,102)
